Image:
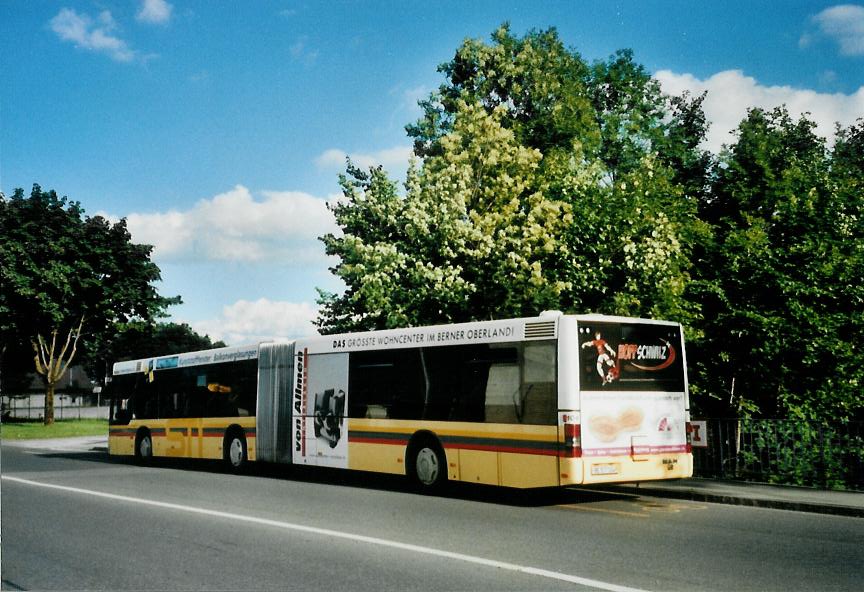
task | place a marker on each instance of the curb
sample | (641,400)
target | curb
(774,504)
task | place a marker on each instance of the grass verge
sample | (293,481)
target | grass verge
(64,428)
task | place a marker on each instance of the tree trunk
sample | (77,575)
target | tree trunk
(49,403)
(52,364)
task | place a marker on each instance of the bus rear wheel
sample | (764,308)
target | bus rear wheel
(427,466)
(235,452)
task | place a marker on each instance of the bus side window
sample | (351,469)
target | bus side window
(539,393)
(502,392)
(407,385)
(123,415)
(196,401)
(386,383)
(458,375)
(169,384)
(144,401)
(472,402)
(120,390)
(225,390)
(444,382)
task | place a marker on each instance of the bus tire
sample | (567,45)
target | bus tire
(143,446)
(427,464)
(234,450)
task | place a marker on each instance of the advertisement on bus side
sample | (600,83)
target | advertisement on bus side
(320,404)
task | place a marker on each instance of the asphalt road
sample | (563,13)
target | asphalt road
(82,520)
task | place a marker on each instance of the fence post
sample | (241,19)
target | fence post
(823,473)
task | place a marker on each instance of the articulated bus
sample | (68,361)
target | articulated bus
(547,401)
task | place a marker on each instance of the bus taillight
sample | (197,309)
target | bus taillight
(572,440)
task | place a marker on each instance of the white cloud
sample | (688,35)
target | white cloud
(731,93)
(234,226)
(396,157)
(409,100)
(412,96)
(301,52)
(845,25)
(333,158)
(81,30)
(156,12)
(260,320)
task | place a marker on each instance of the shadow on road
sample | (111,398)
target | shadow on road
(552,496)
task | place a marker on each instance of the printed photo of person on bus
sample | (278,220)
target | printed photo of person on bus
(607,370)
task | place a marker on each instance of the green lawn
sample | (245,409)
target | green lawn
(65,428)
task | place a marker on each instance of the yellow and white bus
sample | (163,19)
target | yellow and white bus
(533,402)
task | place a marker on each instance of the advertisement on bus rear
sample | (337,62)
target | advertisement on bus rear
(630,357)
(632,389)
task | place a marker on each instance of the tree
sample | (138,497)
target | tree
(548,183)
(783,284)
(470,239)
(541,85)
(612,111)
(631,246)
(541,186)
(67,278)
(140,340)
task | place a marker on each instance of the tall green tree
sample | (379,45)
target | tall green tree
(612,111)
(66,279)
(783,283)
(541,85)
(471,238)
(541,186)
(631,245)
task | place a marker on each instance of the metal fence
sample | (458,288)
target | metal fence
(65,407)
(784,452)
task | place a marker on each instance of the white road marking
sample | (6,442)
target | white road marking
(535,571)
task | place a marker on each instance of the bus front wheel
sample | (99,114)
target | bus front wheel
(144,447)
(427,466)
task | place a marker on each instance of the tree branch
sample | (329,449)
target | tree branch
(74,348)
(41,355)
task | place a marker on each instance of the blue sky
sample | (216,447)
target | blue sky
(219,128)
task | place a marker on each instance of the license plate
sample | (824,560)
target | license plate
(604,469)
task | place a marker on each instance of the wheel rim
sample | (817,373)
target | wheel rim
(427,466)
(235,452)
(145,447)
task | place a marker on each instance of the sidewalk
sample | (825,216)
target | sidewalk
(740,493)
(75,444)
